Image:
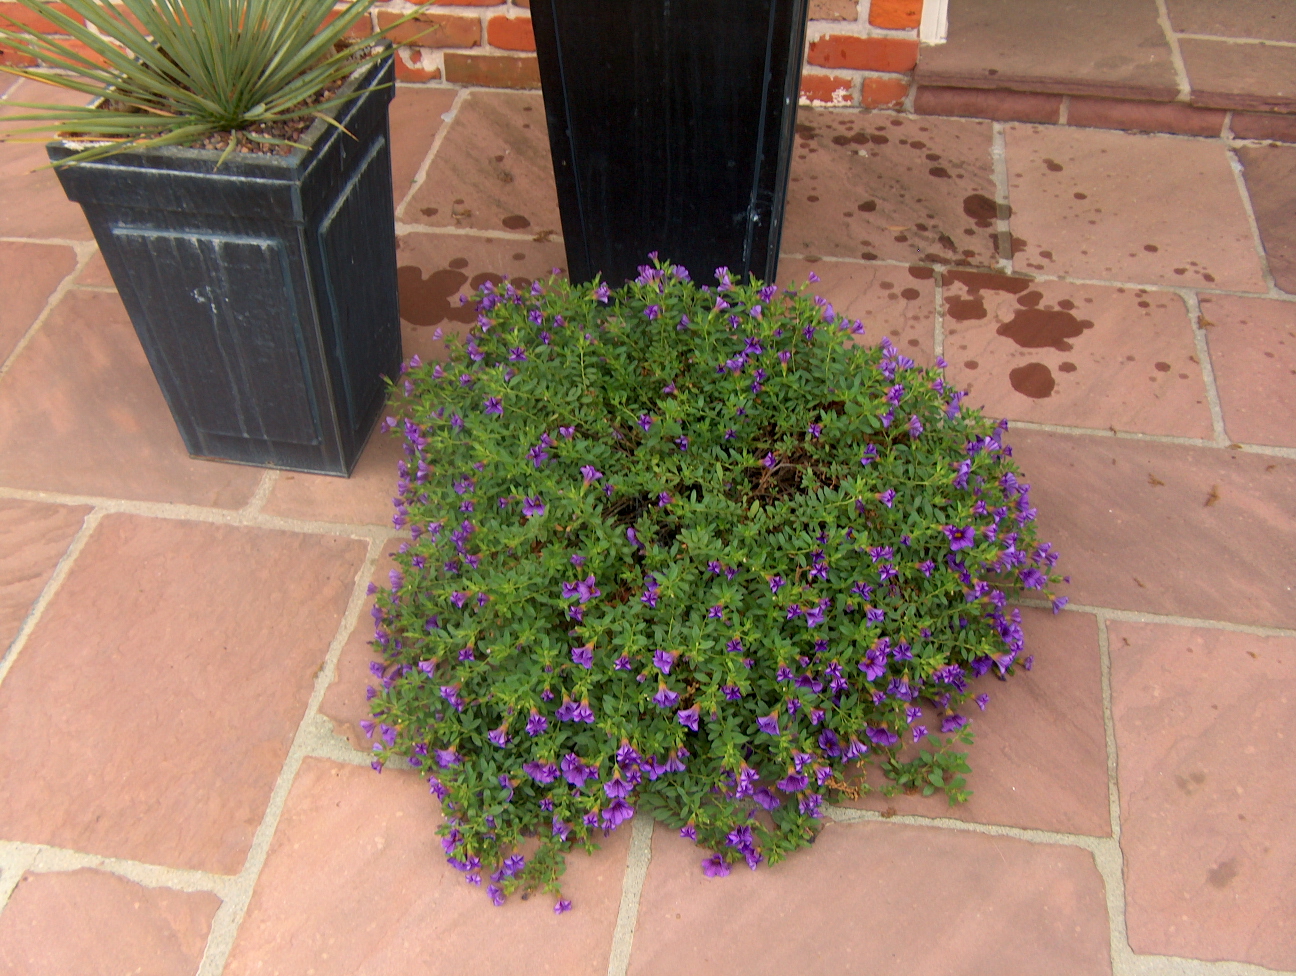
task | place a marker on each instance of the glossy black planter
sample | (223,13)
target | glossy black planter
(263,292)
(671,124)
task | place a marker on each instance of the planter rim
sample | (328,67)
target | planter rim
(269,165)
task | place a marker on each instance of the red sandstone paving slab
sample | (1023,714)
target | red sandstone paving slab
(80,412)
(95,924)
(889,300)
(34,203)
(1253,353)
(1166,528)
(95,273)
(1255,77)
(149,713)
(877,185)
(1239,18)
(1040,755)
(355,884)
(1270,174)
(1205,721)
(33,538)
(1149,209)
(345,703)
(363,498)
(414,120)
(30,272)
(860,901)
(493,170)
(1081,355)
(1100,47)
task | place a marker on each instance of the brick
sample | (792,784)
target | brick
(16,12)
(14,59)
(826,89)
(864,53)
(467,3)
(1264,125)
(884,92)
(833,10)
(492,71)
(433,30)
(360,29)
(409,71)
(83,49)
(895,14)
(1117,113)
(980,103)
(524,4)
(511,33)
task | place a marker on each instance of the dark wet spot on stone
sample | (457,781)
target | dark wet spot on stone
(516,222)
(910,294)
(426,301)
(885,285)
(1066,367)
(1052,166)
(1066,305)
(1048,255)
(1081,196)
(1220,875)
(901,238)
(520,283)
(1030,299)
(992,71)
(458,263)
(499,159)
(429,211)
(526,125)
(480,279)
(1034,380)
(915,343)
(980,207)
(458,201)
(868,206)
(970,364)
(868,255)
(976,281)
(965,309)
(1183,376)
(812,198)
(1151,248)
(878,140)
(1181,271)
(917,144)
(932,157)
(1208,277)
(841,140)
(920,272)
(526,108)
(519,256)
(1162,367)
(940,172)
(1040,328)
(806,131)
(897,122)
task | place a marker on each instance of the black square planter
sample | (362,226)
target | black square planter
(263,292)
(671,124)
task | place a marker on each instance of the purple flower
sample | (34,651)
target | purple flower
(915,426)
(688,832)
(766,799)
(622,663)
(688,717)
(633,538)
(532,507)
(584,656)
(793,783)
(959,538)
(1059,603)
(570,711)
(663,660)
(564,904)
(814,430)
(652,311)
(776,583)
(602,293)
(715,867)
(586,590)
(493,406)
(577,559)
(617,788)
(645,422)
(665,698)
(542,773)
(538,455)
(716,612)
(870,455)
(682,443)
(517,355)
(887,497)
(496,894)
(769,460)
(536,724)
(567,432)
(769,723)
(881,735)
(953,722)
(617,813)
(919,731)
(982,701)
(498,736)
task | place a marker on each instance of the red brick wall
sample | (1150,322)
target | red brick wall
(860,52)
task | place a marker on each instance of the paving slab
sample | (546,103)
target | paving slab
(365,498)
(414,120)
(1252,345)
(1074,47)
(891,301)
(1118,206)
(149,713)
(80,412)
(1200,532)
(900,188)
(1039,759)
(356,884)
(1078,355)
(876,899)
(1270,174)
(96,924)
(493,170)
(96,273)
(34,203)
(30,272)
(33,538)
(1205,721)
(1225,74)
(1239,18)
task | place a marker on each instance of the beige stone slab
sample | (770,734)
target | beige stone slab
(414,118)
(1079,355)
(1165,528)
(95,924)
(1269,19)
(1255,77)
(493,170)
(356,884)
(1252,344)
(876,899)
(1205,721)
(1270,173)
(34,203)
(1039,759)
(1120,206)
(33,538)
(29,273)
(899,303)
(363,498)
(80,412)
(153,705)
(96,273)
(877,185)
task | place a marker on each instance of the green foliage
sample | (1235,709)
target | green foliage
(177,70)
(688,550)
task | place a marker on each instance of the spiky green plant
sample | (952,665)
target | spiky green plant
(174,71)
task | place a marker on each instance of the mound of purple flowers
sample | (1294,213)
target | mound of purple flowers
(691,551)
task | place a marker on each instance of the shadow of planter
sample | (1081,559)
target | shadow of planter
(671,124)
(264,293)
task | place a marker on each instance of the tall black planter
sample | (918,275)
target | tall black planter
(671,124)
(263,292)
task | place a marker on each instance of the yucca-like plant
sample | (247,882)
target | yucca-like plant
(175,71)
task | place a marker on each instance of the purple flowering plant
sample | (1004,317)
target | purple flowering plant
(718,636)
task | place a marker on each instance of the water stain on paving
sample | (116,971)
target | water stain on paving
(965,309)
(1220,875)
(426,301)
(516,222)
(1034,380)
(983,210)
(1042,328)
(975,281)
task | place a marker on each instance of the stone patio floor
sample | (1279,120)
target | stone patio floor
(183,787)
